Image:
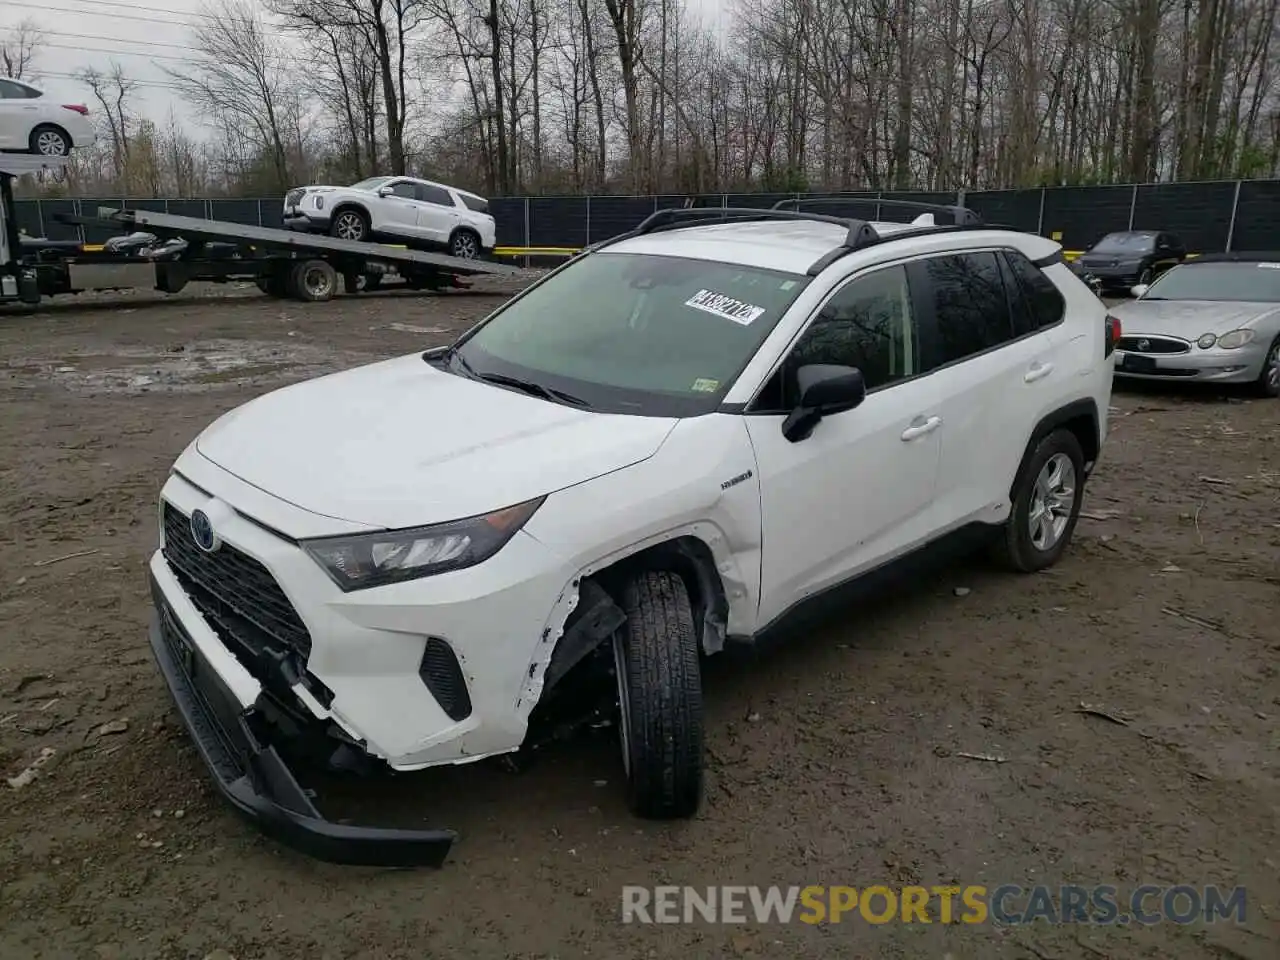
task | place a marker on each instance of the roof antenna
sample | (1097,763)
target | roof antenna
(924,220)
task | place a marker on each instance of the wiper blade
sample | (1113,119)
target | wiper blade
(530,387)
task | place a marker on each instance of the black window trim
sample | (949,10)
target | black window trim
(749,408)
(423,187)
(1022,288)
(925,284)
(392,184)
(921,306)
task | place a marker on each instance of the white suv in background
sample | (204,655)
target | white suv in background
(691,435)
(398,209)
(32,122)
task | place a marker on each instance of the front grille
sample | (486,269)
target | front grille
(442,674)
(1154,345)
(292,197)
(235,593)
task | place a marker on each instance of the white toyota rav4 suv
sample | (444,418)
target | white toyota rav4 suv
(684,437)
(398,209)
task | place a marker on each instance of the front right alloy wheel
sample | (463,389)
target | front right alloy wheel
(659,697)
(1046,504)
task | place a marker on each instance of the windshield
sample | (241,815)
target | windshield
(373,183)
(1135,243)
(635,333)
(1240,282)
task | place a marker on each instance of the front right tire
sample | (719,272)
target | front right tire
(659,697)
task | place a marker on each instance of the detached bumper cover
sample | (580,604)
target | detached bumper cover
(254,779)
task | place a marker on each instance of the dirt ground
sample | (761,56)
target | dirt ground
(837,759)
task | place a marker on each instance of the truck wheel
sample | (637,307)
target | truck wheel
(659,697)
(1046,505)
(313,281)
(273,285)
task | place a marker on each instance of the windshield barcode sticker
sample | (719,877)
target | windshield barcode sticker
(709,301)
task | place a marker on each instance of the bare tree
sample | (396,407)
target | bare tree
(239,83)
(114,92)
(18,51)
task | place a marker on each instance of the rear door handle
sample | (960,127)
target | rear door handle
(919,427)
(1038,370)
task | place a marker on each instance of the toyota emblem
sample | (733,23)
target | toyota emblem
(202,532)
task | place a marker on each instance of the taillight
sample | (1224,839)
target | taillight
(79,108)
(1112,334)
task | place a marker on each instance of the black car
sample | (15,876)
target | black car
(1128,257)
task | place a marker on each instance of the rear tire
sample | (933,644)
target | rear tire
(1046,505)
(465,244)
(48,141)
(660,697)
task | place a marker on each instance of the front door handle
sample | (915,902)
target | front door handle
(1038,370)
(920,427)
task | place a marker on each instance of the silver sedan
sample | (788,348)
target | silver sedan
(1215,318)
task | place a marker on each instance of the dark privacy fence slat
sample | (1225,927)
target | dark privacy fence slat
(1209,216)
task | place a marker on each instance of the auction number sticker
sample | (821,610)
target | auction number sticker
(721,305)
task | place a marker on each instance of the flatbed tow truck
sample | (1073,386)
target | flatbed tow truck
(165,252)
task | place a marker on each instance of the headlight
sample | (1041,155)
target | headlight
(375,559)
(1235,339)
(1206,341)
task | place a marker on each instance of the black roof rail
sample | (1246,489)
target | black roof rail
(860,233)
(961,216)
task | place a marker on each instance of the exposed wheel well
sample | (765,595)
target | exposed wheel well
(692,559)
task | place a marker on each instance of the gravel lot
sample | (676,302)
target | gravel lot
(835,759)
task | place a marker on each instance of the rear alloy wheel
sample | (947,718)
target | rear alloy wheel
(464,245)
(313,281)
(659,697)
(1046,505)
(1268,383)
(50,142)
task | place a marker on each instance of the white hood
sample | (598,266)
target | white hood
(400,444)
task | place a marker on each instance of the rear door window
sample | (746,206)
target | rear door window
(437,195)
(1042,303)
(970,307)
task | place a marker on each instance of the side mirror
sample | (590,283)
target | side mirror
(385,191)
(1138,290)
(824,389)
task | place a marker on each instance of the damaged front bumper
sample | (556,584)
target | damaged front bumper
(252,776)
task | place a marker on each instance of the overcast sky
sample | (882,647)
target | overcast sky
(142,35)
